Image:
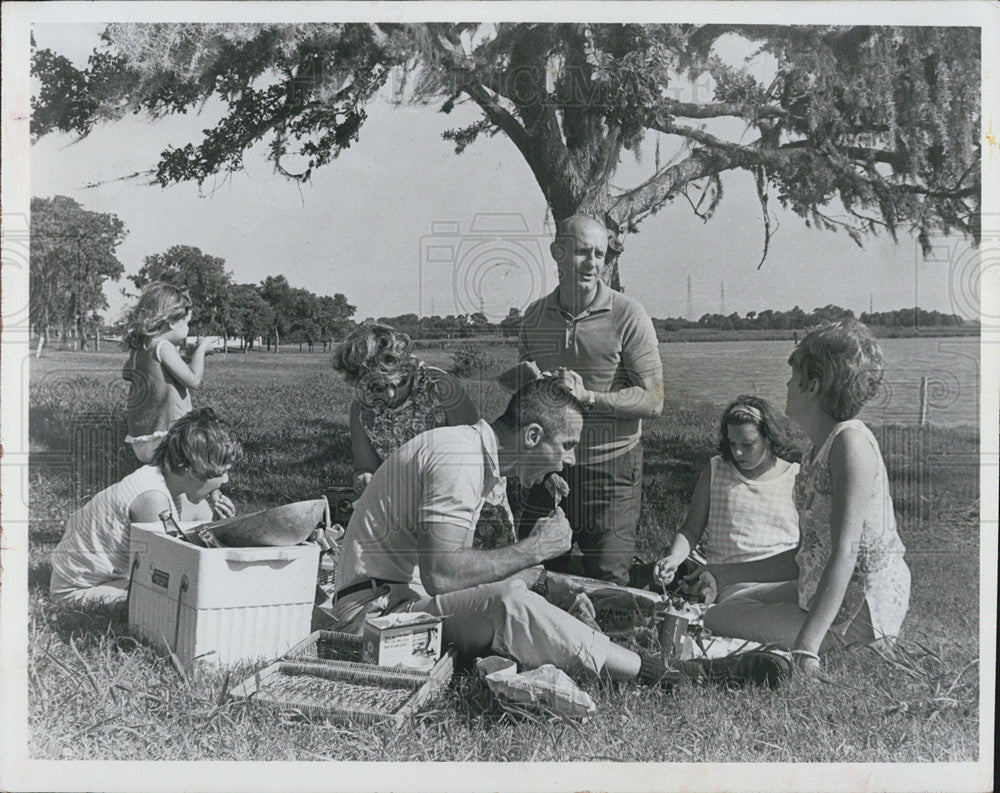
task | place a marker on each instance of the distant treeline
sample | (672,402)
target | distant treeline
(461,326)
(797,319)
(890,323)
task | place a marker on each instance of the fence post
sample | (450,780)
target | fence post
(923,401)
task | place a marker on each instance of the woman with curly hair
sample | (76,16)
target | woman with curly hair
(853,586)
(742,504)
(397,396)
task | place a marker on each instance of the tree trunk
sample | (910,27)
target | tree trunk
(277,341)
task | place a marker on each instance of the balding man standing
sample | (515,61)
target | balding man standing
(606,345)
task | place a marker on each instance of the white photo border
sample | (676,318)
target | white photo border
(19,772)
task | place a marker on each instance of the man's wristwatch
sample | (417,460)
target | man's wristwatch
(541,585)
(588,400)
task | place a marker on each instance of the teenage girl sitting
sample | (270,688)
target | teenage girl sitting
(742,504)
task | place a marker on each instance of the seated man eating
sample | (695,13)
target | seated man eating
(409,547)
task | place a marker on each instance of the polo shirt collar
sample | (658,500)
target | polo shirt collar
(490,448)
(602,301)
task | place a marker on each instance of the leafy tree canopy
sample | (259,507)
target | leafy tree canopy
(204,277)
(72,254)
(248,315)
(882,120)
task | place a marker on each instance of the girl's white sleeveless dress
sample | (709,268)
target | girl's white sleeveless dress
(880,578)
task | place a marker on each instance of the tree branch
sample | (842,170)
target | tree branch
(500,116)
(488,102)
(721,155)
(668,127)
(641,200)
(672,107)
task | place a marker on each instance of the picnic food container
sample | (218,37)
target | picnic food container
(322,677)
(223,605)
(288,524)
(410,640)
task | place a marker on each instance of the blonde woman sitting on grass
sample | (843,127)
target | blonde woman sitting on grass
(853,586)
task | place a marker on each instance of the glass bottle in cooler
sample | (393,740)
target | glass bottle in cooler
(169,524)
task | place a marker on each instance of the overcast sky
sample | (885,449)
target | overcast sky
(394,223)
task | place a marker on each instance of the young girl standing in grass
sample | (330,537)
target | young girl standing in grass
(743,503)
(853,586)
(160,382)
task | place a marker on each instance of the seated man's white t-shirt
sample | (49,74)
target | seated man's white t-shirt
(441,476)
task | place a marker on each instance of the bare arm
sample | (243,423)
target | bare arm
(366,459)
(459,409)
(640,357)
(188,376)
(639,402)
(853,472)
(448,561)
(697,515)
(524,371)
(689,534)
(146,507)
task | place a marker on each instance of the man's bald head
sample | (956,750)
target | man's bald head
(578,249)
(574,224)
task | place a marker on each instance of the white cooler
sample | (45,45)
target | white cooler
(223,605)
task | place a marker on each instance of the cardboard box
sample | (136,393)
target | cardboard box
(410,640)
(223,605)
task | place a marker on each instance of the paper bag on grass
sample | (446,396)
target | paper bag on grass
(545,687)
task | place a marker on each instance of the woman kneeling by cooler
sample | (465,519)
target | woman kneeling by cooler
(853,586)
(90,564)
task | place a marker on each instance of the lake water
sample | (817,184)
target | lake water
(718,371)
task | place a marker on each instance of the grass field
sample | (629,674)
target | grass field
(96,693)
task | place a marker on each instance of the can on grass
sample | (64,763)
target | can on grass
(672,630)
